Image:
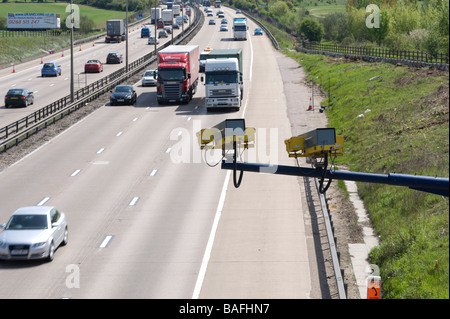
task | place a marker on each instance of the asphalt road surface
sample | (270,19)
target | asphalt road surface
(148,218)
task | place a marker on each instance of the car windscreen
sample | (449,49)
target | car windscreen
(92,61)
(25,222)
(149,73)
(49,65)
(172,74)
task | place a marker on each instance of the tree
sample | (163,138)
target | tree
(335,26)
(311,29)
(379,34)
(279,9)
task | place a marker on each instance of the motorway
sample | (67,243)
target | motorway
(49,89)
(147,217)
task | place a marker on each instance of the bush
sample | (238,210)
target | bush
(335,26)
(311,29)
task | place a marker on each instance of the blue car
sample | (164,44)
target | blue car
(258,31)
(51,68)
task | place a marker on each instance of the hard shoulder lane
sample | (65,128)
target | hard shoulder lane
(260,248)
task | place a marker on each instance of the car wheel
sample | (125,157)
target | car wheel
(51,252)
(66,237)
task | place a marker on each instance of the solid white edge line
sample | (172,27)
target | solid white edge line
(212,235)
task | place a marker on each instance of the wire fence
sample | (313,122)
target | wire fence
(418,56)
(33,33)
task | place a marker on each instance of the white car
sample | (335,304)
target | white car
(153,40)
(149,77)
(33,232)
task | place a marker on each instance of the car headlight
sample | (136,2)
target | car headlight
(38,245)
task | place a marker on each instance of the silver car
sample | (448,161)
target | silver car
(153,40)
(33,232)
(149,77)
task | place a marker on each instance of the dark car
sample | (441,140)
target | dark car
(51,68)
(123,94)
(114,57)
(19,97)
(145,32)
(168,29)
(163,34)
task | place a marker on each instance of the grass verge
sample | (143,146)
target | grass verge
(395,119)
(19,49)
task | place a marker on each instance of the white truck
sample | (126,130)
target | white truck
(152,15)
(224,86)
(176,10)
(167,16)
(240,28)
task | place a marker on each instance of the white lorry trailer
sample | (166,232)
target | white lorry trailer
(176,10)
(155,15)
(167,16)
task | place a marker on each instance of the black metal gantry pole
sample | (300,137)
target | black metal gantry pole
(435,185)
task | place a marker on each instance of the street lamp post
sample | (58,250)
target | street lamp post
(71,54)
(126,40)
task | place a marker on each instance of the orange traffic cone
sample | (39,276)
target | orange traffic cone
(310,107)
(62,52)
(80,47)
(14,68)
(93,43)
(42,61)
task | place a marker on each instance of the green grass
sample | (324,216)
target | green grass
(18,49)
(405,131)
(320,8)
(99,16)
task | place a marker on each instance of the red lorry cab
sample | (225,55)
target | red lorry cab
(177,73)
